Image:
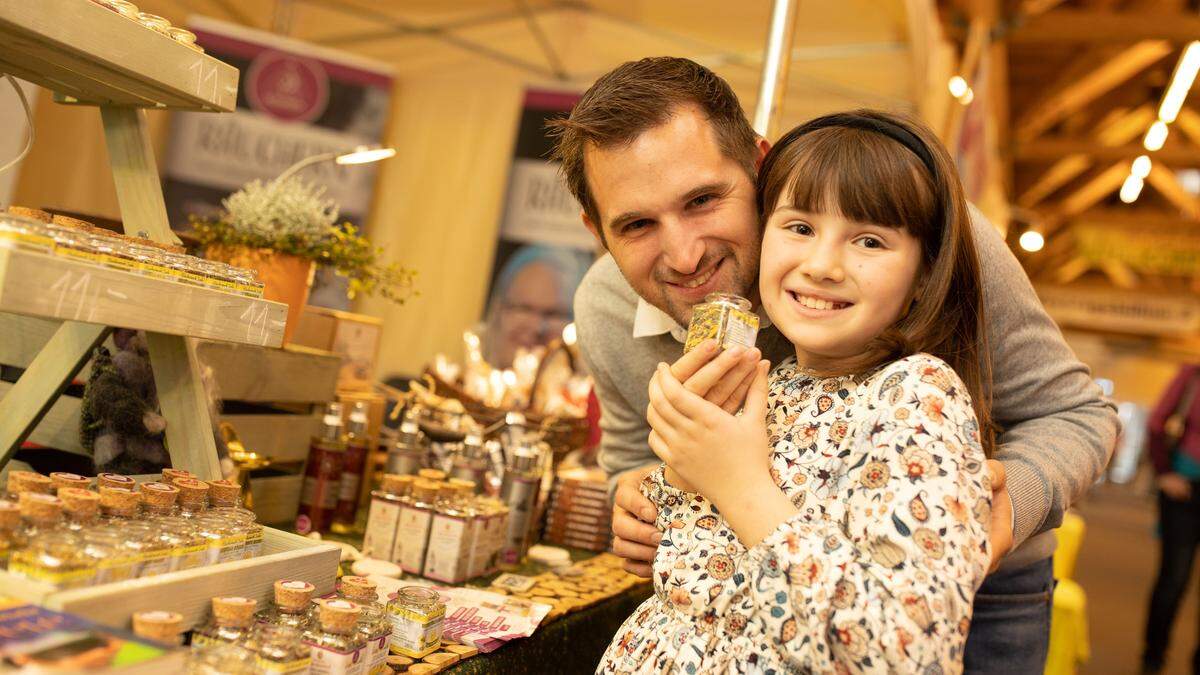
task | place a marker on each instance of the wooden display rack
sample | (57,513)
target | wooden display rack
(89,55)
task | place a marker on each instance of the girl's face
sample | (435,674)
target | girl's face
(832,284)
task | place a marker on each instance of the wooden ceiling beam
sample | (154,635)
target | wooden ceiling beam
(1100,27)
(1120,127)
(1099,186)
(1134,217)
(1188,122)
(1163,179)
(1078,92)
(1054,148)
(1031,8)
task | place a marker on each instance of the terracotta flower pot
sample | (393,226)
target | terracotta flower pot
(286,278)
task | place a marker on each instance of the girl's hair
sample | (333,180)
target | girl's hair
(890,169)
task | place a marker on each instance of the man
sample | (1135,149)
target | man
(661,158)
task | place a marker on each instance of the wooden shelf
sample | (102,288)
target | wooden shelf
(53,287)
(93,55)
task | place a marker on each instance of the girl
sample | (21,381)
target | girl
(839,524)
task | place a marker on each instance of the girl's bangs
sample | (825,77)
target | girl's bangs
(862,176)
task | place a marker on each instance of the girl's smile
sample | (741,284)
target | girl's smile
(832,284)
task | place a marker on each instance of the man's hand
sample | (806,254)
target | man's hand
(635,538)
(1175,487)
(1001,531)
(720,376)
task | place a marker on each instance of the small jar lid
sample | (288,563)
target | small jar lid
(159,494)
(39,506)
(62,479)
(360,588)
(29,481)
(10,514)
(158,625)
(115,480)
(118,498)
(396,484)
(223,492)
(191,490)
(463,484)
(425,490)
(339,616)
(79,501)
(35,214)
(169,475)
(293,594)
(234,611)
(432,474)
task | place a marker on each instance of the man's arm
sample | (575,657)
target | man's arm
(1059,431)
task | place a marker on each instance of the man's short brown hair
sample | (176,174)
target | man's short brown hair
(640,95)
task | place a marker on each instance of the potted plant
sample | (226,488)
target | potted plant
(283,229)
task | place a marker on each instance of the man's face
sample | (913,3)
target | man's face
(678,215)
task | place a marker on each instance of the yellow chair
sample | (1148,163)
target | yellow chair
(1069,645)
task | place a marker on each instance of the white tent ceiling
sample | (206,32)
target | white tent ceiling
(847,53)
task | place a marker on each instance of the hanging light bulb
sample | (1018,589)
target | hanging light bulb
(1141,166)
(1130,189)
(958,86)
(1156,135)
(1032,241)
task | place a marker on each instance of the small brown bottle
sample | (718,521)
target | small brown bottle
(323,474)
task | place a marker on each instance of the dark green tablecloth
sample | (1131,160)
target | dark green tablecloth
(572,643)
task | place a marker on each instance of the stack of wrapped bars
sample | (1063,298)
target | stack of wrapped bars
(580,515)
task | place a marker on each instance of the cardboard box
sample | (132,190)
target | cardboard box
(354,337)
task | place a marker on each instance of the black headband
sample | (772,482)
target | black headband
(891,130)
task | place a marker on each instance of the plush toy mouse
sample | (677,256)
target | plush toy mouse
(120,423)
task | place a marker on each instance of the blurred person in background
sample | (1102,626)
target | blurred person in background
(1174,432)
(531,300)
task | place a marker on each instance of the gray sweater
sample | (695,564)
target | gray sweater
(1059,431)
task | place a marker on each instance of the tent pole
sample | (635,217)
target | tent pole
(775,68)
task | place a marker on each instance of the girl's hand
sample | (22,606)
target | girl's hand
(715,453)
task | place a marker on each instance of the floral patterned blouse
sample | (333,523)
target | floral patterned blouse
(876,573)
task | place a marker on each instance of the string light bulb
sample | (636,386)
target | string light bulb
(1131,188)
(1032,241)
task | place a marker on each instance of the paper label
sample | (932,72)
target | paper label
(415,635)
(254,543)
(155,563)
(60,578)
(412,538)
(329,662)
(187,557)
(377,653)
(382,520)
(449,549)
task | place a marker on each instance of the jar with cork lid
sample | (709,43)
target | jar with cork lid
(193,496)
(81,508)
(373,623)
(51,554)
(115,480)
(160,626)
(337,647)
(291,608)
(279,649)
(416,615)
(225,500)
(383,516)
(63,479)
(231,621)
(158,499)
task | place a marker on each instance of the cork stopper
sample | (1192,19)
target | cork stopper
(118,500)
(159,495)
(79,502)
(293,594)
(192,492)
(339,616)
(395,484)
(424,490)
(40,507)
(360,588)
(447,491)
(115,480)
(28,481)
(234,611)
(158,625)
(62,479)
(463,485)
(169,475)
(432,474)
(10,515)
(223,492)
(35,214)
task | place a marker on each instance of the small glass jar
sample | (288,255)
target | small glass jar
(724,317)
(153,551)
(149,261)
(184,37)
(62,479)
(119,505)
(336,644)
(225,501)
(122,7)
(293,599)
(114,560)
(54,557)
(27,481)
(188,548)
(226,538)
(115,255)
(416,614)
(80,507)
(193,496)
(26,235)
(115,480)
(280,649)
(231,621)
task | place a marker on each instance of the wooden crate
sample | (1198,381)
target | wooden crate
(276,498)
(190,592)
(355,338)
